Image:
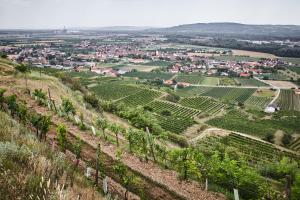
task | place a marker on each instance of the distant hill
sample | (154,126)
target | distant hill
(235,29)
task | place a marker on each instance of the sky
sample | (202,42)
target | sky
(55,14)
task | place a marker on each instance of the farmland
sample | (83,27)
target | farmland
(174,124)
(258,102)
(250,148)
(225,81)
(205,104)
(140,98)
(159,106)
(250,82)
(149,75)
(230,94)
(244,123)
(288,100)
(192,91)
(110,91)
(192,79)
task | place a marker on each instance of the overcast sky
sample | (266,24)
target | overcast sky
(160,13)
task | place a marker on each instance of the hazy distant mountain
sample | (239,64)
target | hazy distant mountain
(234,28)
(117,28)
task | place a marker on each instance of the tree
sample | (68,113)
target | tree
(2,98)
(22,113)
(99,165)
(24,69)
(286,139)
(103,124)
(44,125)
(68,107)
(41,96)
(116,129)
(12,104)
(127,179)
(77,150)
(296,187)
(269,137)
(35,121)
(62,137)
(82,125)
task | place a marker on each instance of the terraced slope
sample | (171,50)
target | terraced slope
(204,104)
(177,110)
(140,98)
(288,100)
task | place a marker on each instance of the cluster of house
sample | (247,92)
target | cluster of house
(210,66)
(85,54)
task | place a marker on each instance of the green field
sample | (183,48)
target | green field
(258,102)
(187,78)
(254,151)
(250,82)
(140,98)
(210,81)
(175,109)
(109,91)
(174,124)
(230,94)
(149,75)
(288,100)
(205,104)
(242,122)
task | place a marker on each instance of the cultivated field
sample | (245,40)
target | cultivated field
(252,54)
(282,84)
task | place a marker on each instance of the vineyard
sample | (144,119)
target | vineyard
(295,69)
(250,148)
(111,91)
(192,79)
(258,102)
(295,145)
(250,82)
(230,94)
(225,81)
(210,81)
(192,91)
(288,100)
(175,109)
(174,124)
(149,75)
(205,104)
(243,122)
(140,98)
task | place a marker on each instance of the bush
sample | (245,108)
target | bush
(269,137)
(286,139)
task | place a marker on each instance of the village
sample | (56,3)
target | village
(91,55)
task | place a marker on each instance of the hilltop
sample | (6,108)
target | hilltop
(235,29)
